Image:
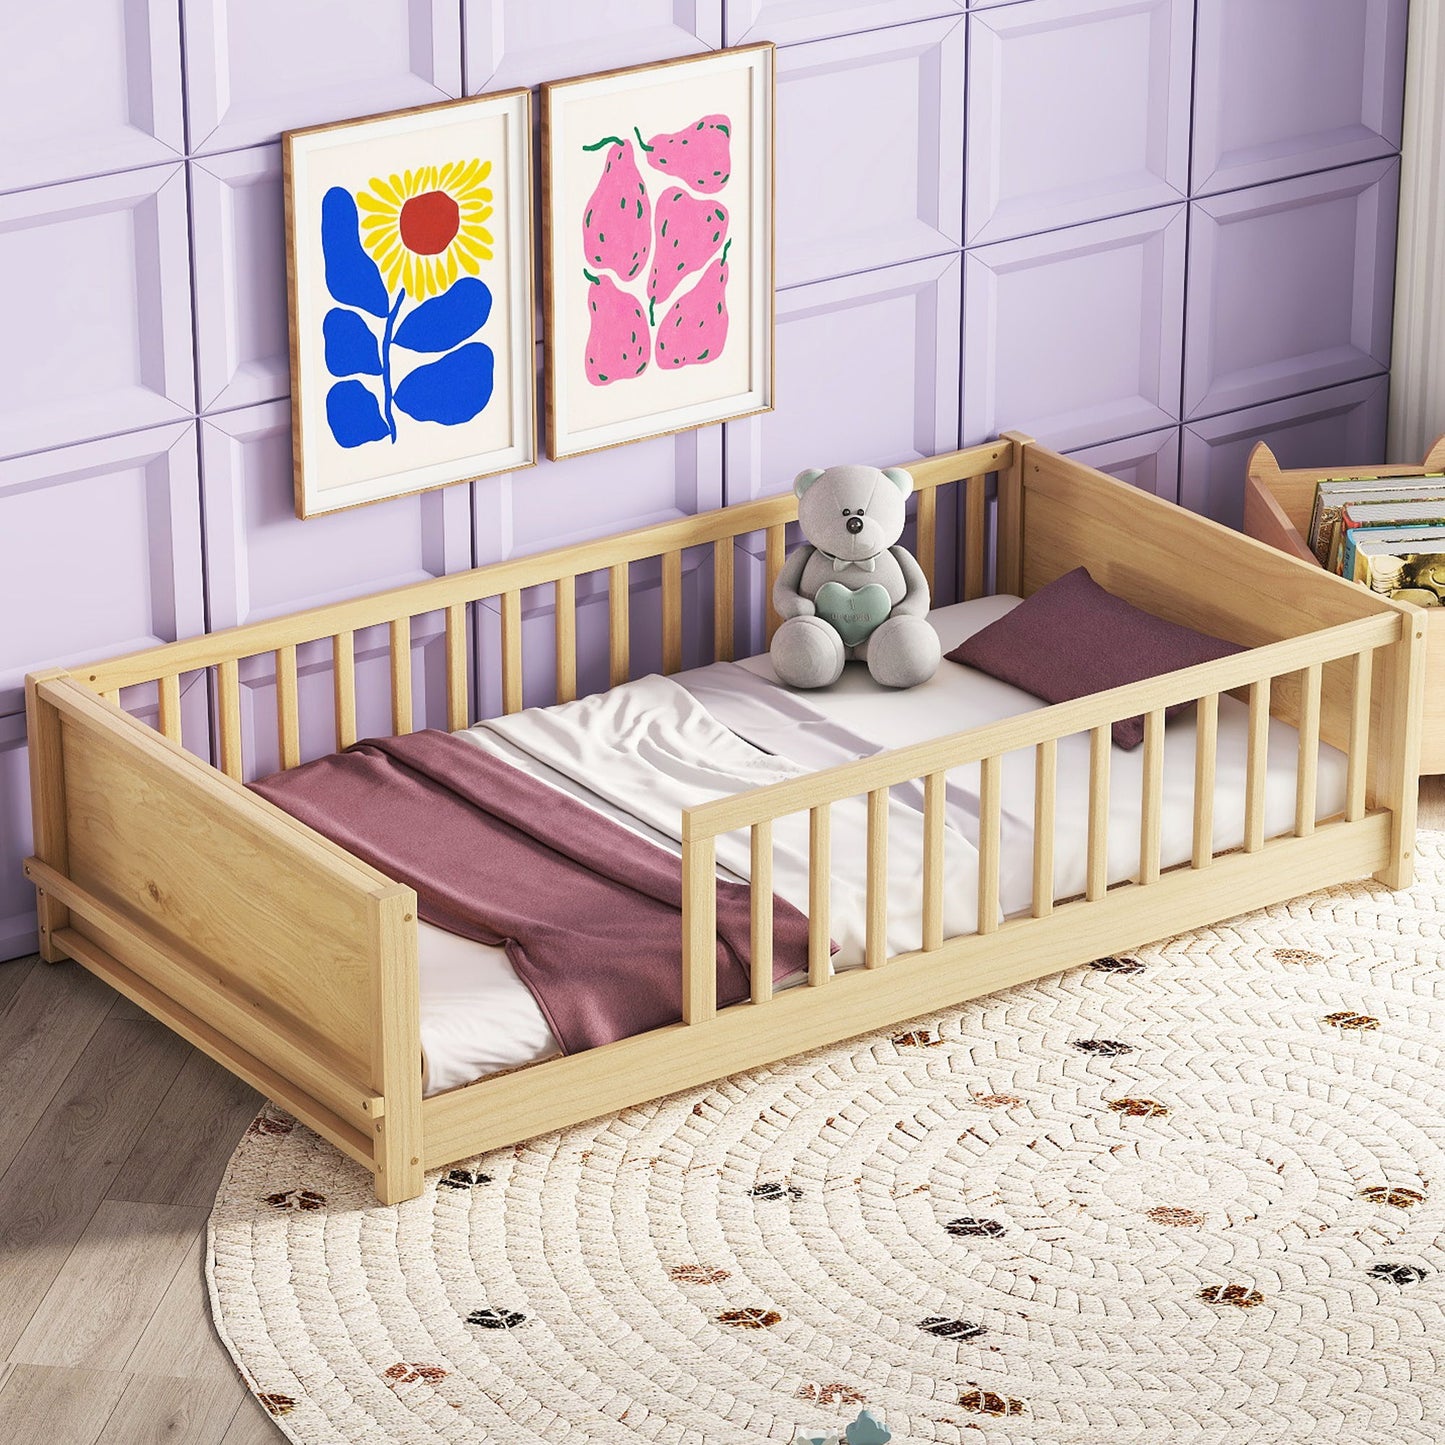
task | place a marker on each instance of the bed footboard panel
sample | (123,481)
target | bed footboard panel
(283,957)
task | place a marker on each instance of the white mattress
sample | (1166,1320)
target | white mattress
(478,1018)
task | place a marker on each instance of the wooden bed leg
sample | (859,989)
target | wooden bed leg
(395,1030)
(1395,762)
(1008,541)
(47,801)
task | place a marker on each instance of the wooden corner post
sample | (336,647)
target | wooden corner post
(47,804)
(396,1065)
(1394,755)
(1009,546)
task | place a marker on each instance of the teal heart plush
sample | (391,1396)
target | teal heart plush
(854,613)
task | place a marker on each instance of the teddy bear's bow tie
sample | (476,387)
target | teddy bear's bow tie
(863,564)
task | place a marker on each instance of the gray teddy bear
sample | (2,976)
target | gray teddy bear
(852,593)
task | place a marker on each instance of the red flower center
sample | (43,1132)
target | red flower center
(428,222)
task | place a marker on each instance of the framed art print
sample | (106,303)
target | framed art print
(657,252)
(409,252)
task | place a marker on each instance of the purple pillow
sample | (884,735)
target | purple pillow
(1072,638)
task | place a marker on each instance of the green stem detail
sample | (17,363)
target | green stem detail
(595,280)
(640,140)
(607,140)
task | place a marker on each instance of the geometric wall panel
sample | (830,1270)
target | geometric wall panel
(1051,142)
(97,326)
(1339,426)
(88,86)
(17,897)
(1294,86)
(124,516)
(785,22)
(521,42)
(867,369)
(870,169)
(1149,462)
(262,560)
(257,67)
(240,258)
(1074,336)
(1290,287)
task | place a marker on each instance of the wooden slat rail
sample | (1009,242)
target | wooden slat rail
(723,600)
(170,706)
(1100,709)
(820,876)
(564,610)
(928,535)
(762,911)
(876,948)
(1359,744)
(1046,788)
(512,651)
(699,940)
(619,624)
(1098,858)
(497,579)
(774,545)
(1307,773)
(989,817)
(400,647)
(343,676)
(458,711)
(1151,812)
(671,612)
(934,796)
(1206,760)
(228,715)
(288,720)
(975,537)
(1255,767)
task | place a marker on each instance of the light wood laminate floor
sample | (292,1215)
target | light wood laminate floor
(113,1137)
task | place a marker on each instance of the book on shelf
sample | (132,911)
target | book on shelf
(1408,576)
(1386,542)
(1404,512)
(1333,493)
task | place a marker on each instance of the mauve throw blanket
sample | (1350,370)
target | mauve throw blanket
(589,913)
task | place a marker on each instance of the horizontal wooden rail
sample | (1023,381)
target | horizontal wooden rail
(498,579)
(1100,709)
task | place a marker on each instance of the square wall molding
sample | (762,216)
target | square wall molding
(870,150)
(1149,462)
(1052,141)
(98,326)
(785,22)
(88,86)
(523,42)
(257,67)
(1290,287)
(1075,336)
(1295,85)
(126,513)
(868,368)
(238,217)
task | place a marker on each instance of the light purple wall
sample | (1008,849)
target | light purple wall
(1123,225)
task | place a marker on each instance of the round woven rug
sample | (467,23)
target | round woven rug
(1194,1194)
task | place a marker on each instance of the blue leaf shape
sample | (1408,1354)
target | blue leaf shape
(353,415)
(350,344)
(351,275)
(452,390)
(447,320)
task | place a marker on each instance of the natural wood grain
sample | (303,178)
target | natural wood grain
(1098,860)
(1010,521)
(288,719)
(228,717)
(170,706)
(699,941)
(1358,748)
(1206,761)
(395,1030)
(156,1409)
(1307,773)
(343,672)
(773,549)
(192,1134)
(619,625)
(13,972)
(41,1405)
(47,803)
(876,942)
(820,877)
(511,652)
(671,613)
(178,1338)
(934,797)
(1255,767)
(1152,809)
(564,613)
(975,538)
(989,813)
(1046,785)
(724,600)
(61,1173)
(761,912)
(928,535)
(110,1285)
(399,646)
(252,1426)
(458,710)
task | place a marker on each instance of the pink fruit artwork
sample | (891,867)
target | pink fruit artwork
(699,156)
(619,344)
(617,224)
(689,231)
(695,329)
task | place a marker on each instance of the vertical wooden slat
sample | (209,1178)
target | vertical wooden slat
(1206,757)
(820,872)
(772,565)
(48,808)
(228,716)
(876,949)
(401,676)
(619,647)
(933,800)
(699,941)
(1097,884)
(111,695)
(288,722)
(511,651)
(1307,772)
(343,675)
(170,706)
(1255,771)
(457,709)
(762,911)
(1152,810)
(1046,781)
(975,563)
(671,612)
(564,613)
(1359,737)
(989,814)
(928,534)
(395,1021)
(722,600)
(1009,572)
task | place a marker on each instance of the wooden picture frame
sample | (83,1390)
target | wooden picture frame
(409,269)
(665,321)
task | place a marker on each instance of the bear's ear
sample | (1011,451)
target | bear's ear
(805,479)
(900,479)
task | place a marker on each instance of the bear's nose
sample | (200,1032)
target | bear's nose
(855,525)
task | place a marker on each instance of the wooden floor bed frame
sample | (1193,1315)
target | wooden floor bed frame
(295,965)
